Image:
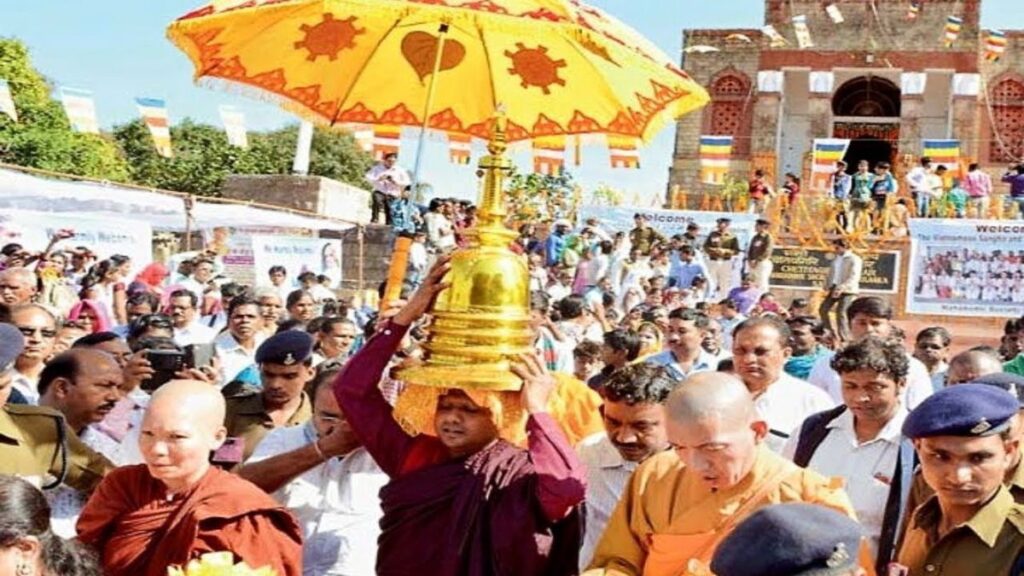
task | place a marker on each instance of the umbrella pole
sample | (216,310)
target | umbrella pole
(442,31)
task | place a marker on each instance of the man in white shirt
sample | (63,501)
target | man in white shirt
(685,354)
(861,440)
(561,287)
(237,346)
(872,316)
(759,350)
(202,273)
(440,230)
(183,306)
(842,285)
(917,183)
(388,180)
(38,327)
(331,484)
(634,422)
(931,347)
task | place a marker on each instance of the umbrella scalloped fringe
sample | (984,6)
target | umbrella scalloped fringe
(656,122)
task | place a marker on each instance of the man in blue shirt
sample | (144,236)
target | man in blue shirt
(555,244)
(687,268)
(842,183)
(685,354)
(1015,178)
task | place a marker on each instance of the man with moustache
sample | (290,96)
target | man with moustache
(17,286)
(84,385)
(237,346)
(685,354)
(860,441)
(39,328)
(680,504)
(634,421)
(966,440)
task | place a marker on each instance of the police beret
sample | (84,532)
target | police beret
(968,410)
(790,539)
(726,220)
(286,348)
(1010,382)
(11,344)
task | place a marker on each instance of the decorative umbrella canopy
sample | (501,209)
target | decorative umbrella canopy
(559,67)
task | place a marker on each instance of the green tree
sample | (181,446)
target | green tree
(203,159)
(42,137)
(541,196)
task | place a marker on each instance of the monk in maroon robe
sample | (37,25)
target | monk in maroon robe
(465,502)
(176,507)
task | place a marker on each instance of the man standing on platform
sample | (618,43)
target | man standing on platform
(842,286)
(720,247)
(465,502)
(679,505)
(388,180)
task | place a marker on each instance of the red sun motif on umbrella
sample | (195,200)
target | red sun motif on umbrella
(535,67)
(329,37)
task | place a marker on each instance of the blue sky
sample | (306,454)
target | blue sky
(117,49)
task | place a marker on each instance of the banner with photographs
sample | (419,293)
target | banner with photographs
(966,268)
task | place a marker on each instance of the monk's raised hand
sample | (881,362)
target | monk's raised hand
(423,298)
(538,383)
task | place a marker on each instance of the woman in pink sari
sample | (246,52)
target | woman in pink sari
(91,316)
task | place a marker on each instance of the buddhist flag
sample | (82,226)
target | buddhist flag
(803,33)
(154,115)
(715,152)
(953,27)
(995,45)
(459,148)
(234,125)
(776,39)
(833,12)
(81,110)
(942,152)
(387,139)
(549,154)
(914,10)
(623,151)
(827,151)
(6,101)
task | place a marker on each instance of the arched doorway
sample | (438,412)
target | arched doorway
(867,112)
(873,150)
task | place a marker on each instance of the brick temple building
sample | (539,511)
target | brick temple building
(881,78)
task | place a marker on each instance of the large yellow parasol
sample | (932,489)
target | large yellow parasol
(559,67)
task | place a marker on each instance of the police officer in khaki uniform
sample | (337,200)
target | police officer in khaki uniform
(35,442)
(286,366)
(966,440)
(759,254)
(720,247)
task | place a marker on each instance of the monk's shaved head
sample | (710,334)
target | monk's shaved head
(971,364)
(191,399)
(711,395)
(714,428)
(184,423)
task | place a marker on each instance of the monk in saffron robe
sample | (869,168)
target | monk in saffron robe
(465,502)
(680,504)
(175,507)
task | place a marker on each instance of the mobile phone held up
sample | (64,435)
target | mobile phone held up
(167,363)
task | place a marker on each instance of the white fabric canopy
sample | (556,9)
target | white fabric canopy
(20,191)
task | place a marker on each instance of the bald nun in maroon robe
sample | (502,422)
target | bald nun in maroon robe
(176,507)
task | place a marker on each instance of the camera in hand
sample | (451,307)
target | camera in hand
(165,364)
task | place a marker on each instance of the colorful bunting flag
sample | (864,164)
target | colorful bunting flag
(387,139)
(953,27)
(803,33)
(549,154)
(154,115)
(913,10)
(6,101)
(715,152)
(459,148)
(942,152)
(81,110)
(995,45)
(776,39)
(234,125)
(826,152)
(623,151)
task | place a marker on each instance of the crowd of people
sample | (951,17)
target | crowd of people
(673,413)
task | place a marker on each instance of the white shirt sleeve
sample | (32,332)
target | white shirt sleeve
(919,384)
